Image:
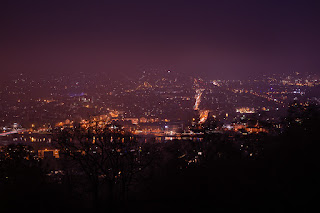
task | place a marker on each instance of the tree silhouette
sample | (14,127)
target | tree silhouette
(109,158)
(15,158)
(292,156)
(21,178)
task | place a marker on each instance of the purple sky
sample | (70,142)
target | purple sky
(223,39)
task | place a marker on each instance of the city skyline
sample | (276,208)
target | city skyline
(155,97)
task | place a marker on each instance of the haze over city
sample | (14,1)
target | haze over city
(157,106)
(220,39)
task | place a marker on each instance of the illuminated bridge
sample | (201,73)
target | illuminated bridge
(12,132)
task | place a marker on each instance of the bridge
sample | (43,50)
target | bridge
(14,131)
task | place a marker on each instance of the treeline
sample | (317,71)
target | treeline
(111,170)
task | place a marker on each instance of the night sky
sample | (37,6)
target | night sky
(221,39)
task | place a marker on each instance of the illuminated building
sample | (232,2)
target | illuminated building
(48,152)
(244,110)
